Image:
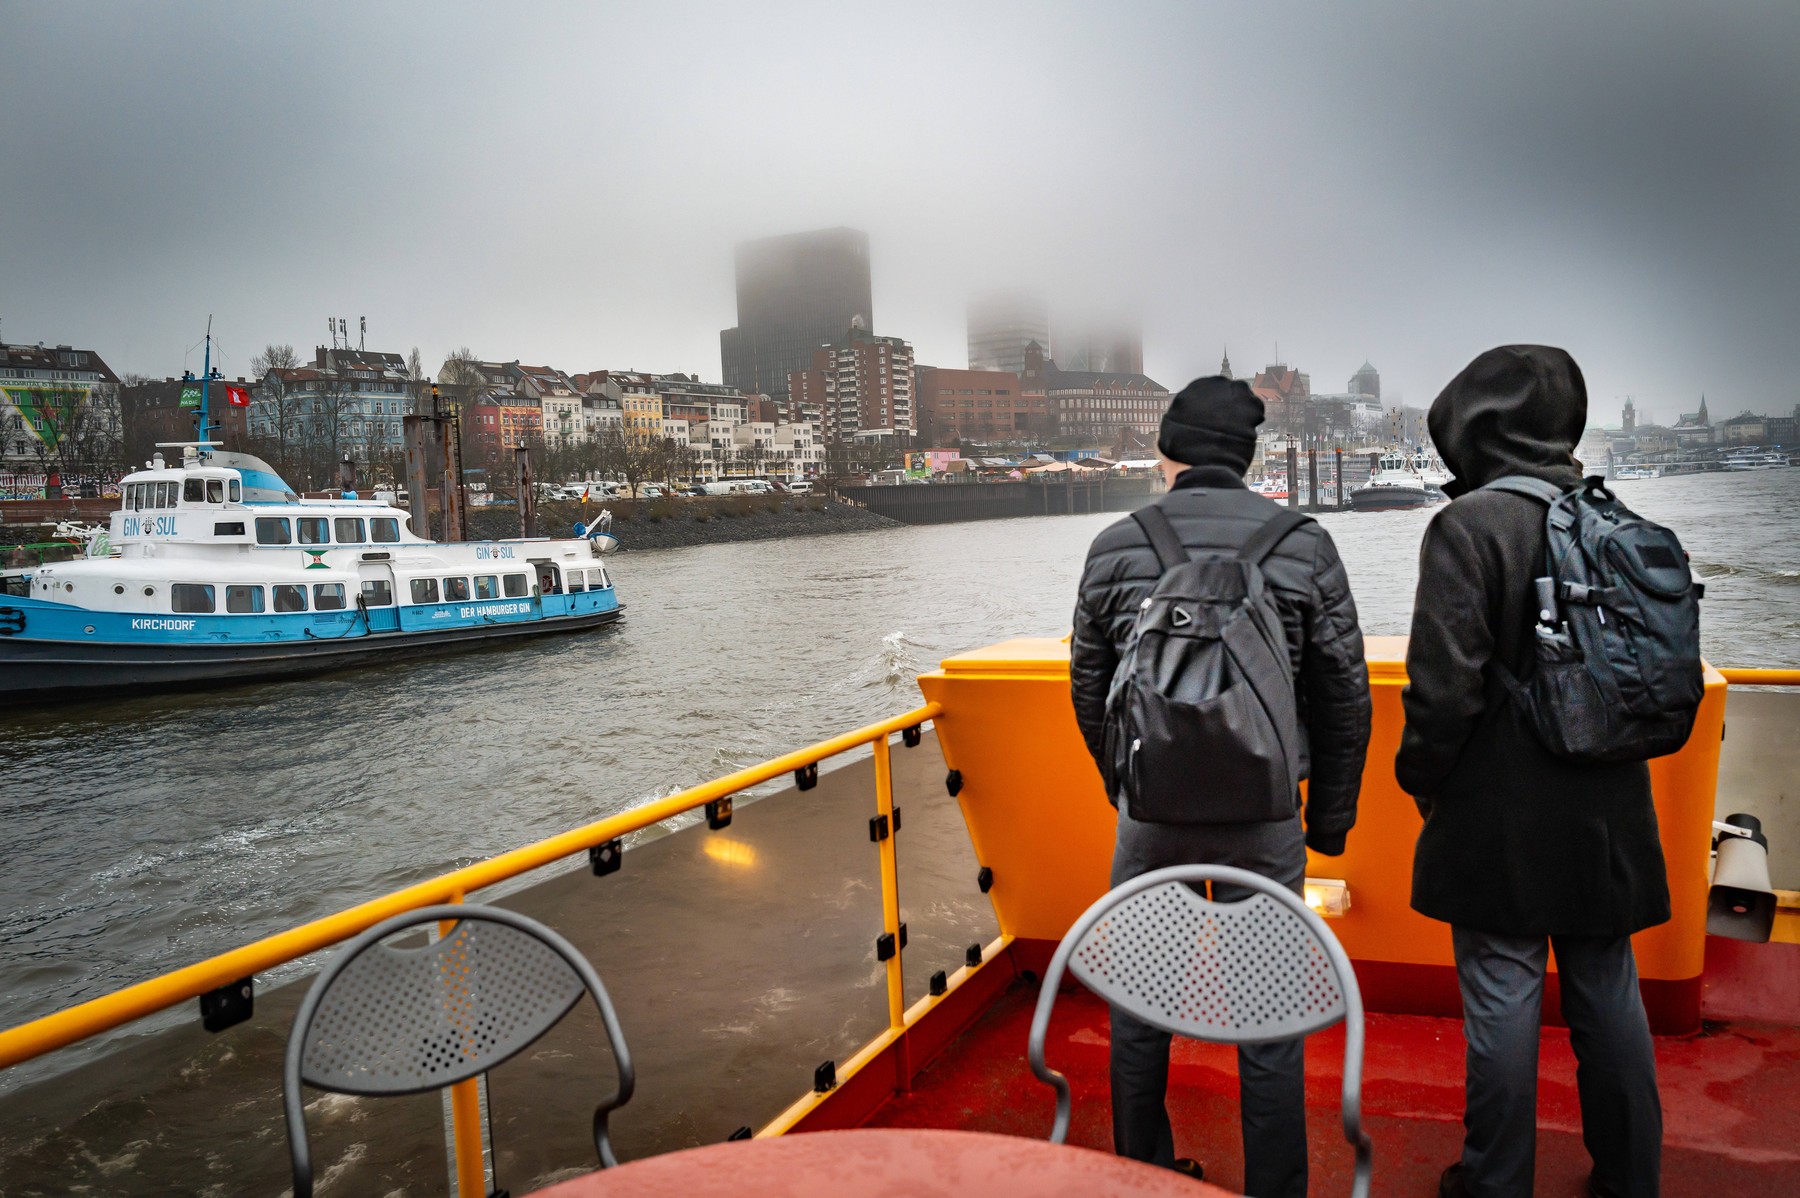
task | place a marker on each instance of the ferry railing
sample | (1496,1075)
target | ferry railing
(235,969)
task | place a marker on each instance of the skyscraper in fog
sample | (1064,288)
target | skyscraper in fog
(794,294)
(1002,324)
(1107,346)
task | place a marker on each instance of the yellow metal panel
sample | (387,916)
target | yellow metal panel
(1038,815)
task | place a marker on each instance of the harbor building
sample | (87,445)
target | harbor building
(1002,324)
(794,293)
(53,401)
(861,385)
(348,401)
(564,420)
(1285,393)
(1095,407)
(154,413)
(980,405)
(1366,381)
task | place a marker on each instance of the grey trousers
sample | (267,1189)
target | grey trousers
(1502,979)
(1271,1077)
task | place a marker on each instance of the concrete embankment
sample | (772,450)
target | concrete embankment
(675,523)
(945,502)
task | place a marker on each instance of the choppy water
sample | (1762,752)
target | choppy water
(142,835)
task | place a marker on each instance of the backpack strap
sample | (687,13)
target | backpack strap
(1262,542)
(1170,552)
(1530,488)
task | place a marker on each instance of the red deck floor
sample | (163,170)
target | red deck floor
(1731,1100)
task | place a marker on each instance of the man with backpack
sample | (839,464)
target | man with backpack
(1216,661)
(1555,646)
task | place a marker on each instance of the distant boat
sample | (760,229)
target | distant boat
(1394,485)
(1754,459)
(1632,473)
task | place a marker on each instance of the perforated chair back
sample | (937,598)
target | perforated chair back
(388,1019)
(1262,969)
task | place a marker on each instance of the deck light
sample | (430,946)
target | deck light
(1741,903)
(730,852)
(1330,897)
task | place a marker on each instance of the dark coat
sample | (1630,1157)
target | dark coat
(1210,508)
(1516,842)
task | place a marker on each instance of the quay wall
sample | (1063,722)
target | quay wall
(940,503)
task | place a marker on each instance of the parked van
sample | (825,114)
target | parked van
(800,487)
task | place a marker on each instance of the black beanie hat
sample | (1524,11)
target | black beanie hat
(1212,422)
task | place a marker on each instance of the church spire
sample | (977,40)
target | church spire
(1225,365)
(1702,417)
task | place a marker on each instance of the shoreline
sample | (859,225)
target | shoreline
(642,524)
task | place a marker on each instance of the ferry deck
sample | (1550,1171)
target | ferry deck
(745,958)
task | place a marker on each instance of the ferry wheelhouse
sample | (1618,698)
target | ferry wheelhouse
(213,569)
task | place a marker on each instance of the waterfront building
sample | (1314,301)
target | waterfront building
(564,418)
(57,403)
(1746,429)
(1366,381)
(1694,429)
(864,387)
(349,401)
(1285,393)
(1781,432)
(153,413)
(497,425)
(980,405)
(1001,325)
(1094,406)
(1628,417)
(685,397)
(794,293)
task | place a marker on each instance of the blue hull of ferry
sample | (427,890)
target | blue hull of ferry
(68,653)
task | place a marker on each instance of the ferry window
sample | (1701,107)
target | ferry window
(328,596)
(377,592)
(165,494)
(193,490)
(424,590)
(384,530)
(314,530)
(273,530)
(456,590)
(604,580)
(237,491)
(234,528)
(290,597)
(215,490)
(576,581)
(516,586)
(190,597)
(349,530)
(487,586)
(134,497)
(243,601)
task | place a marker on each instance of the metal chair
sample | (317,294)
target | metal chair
(1249,972)
(386,1020)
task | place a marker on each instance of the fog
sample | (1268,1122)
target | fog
(564,183)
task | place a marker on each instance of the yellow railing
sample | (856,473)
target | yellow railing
(40,1036)
(1744,677)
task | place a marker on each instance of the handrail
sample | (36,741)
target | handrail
(1736,676)
(65,1027)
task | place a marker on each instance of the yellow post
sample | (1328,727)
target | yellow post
(465,1118)
(890,882)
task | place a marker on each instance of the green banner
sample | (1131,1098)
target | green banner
(190,397)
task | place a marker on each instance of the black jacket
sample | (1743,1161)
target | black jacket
(1210,508)
(1515,842)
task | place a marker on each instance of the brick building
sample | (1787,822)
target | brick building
(1095,407)
(863,386)
(152,414)
(980,405)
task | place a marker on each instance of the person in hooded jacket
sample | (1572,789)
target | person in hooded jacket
(1522,852)
(1206,441)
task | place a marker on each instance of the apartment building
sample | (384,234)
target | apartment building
(864,387)
(50,395)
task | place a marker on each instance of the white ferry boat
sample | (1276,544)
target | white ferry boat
(213,570)
(1754,459)
(1625,474)
(1395,484)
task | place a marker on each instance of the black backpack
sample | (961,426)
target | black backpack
(1201,722)
(1616,675)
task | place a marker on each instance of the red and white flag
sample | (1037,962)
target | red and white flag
(239,396)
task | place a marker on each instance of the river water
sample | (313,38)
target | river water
(144,834)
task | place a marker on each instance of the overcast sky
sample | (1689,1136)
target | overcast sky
(563,183)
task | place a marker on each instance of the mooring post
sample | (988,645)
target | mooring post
(1293,474)
(1337,453)
(412,446)
(527,492)
(1312,481)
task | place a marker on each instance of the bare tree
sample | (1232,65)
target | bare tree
(273,357)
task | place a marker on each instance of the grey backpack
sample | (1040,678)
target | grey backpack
(1201,722)
(1616,675)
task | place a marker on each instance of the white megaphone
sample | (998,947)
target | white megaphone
(1741,903)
